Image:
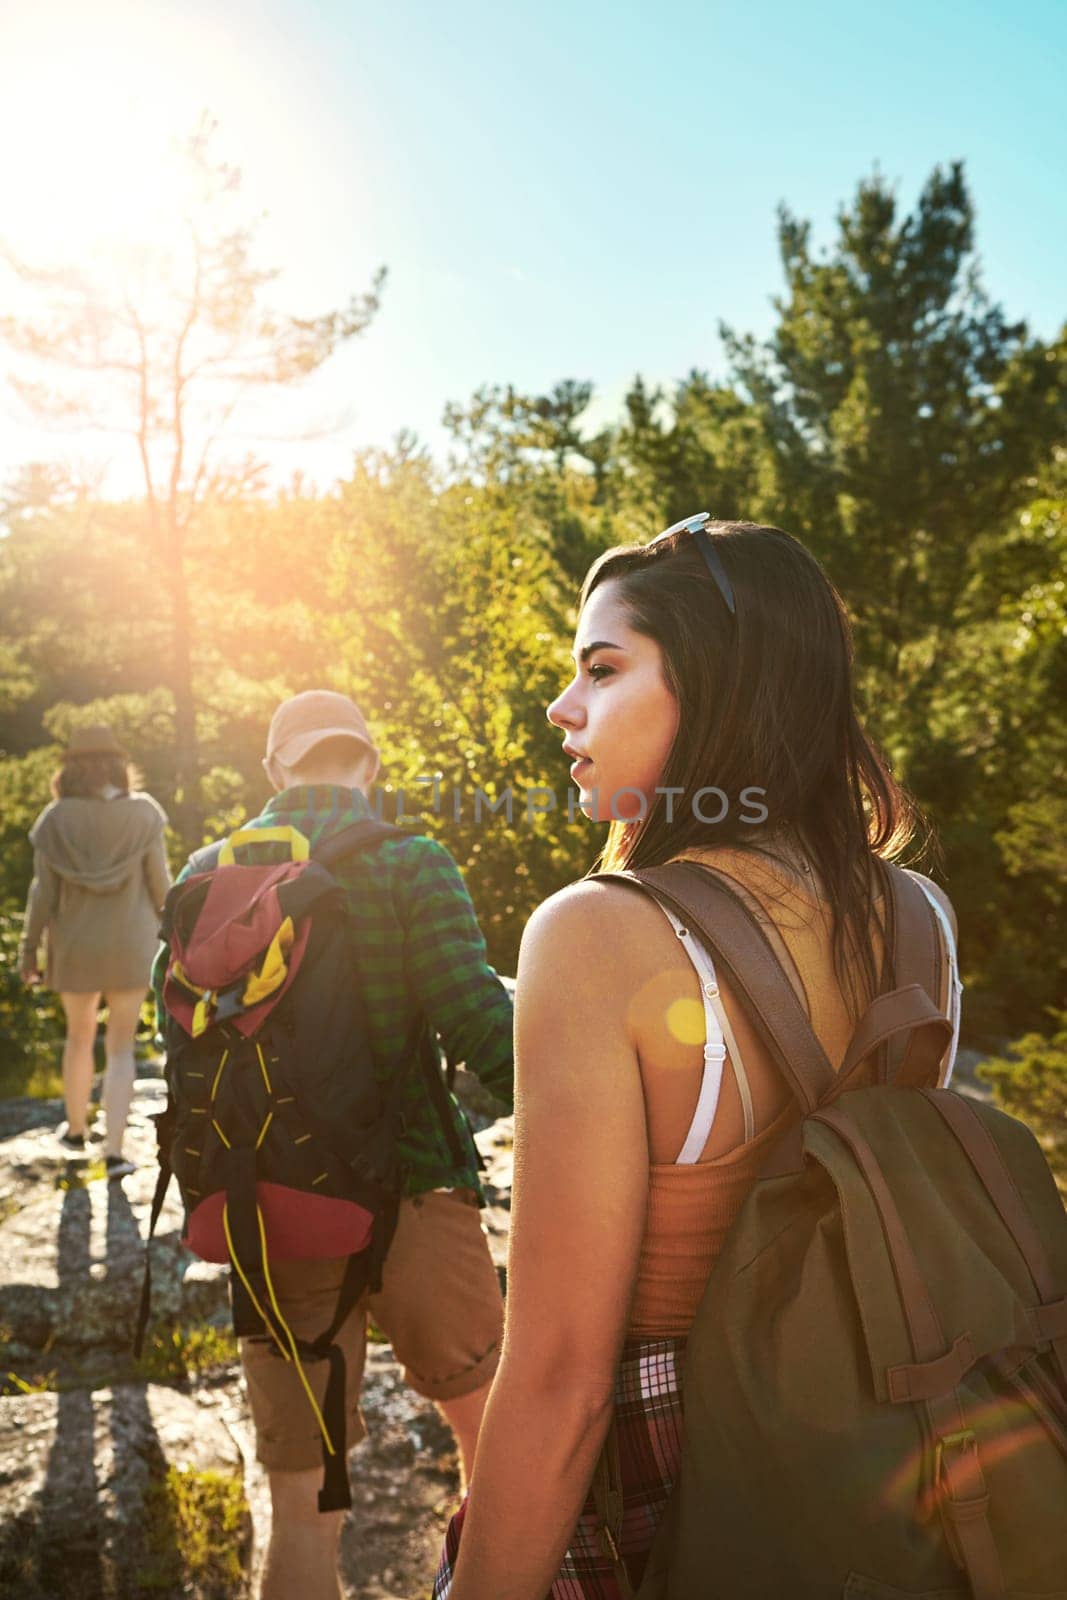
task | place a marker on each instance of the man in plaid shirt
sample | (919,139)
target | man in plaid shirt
(421,954)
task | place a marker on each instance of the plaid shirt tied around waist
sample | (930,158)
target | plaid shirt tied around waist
(649,1424)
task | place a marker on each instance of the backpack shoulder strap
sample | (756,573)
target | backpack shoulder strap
(901,1024)
(348,841)
(916,946)
(727,926)
(916,953)
(352,840)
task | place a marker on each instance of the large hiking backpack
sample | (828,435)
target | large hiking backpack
(280,1134)
(875,1384)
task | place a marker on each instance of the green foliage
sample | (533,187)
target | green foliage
(40,1383)
(164,347)
(910,435)
(1031,1083)
(31,1027)
(197,1534)
(78,1174)
(172,1353)
(894,420)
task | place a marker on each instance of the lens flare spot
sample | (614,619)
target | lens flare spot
(685,1021)
(1005,1428)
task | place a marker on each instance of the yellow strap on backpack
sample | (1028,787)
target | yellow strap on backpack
(205,1002)
(202,1012)
(177,972)
(299,846)
(275,969)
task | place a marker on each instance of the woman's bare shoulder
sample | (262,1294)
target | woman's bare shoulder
(593,908)
(604,932)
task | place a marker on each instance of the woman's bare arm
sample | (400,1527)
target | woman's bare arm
(581,1178)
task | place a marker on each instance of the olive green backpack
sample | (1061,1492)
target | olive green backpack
(875,1385)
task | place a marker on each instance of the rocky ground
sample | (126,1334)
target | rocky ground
(121,1480)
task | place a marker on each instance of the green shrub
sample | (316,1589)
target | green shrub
(31,1026)
(1031,1083)
(173,1353)
(197,1531)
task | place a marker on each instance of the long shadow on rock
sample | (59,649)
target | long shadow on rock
(125,1256)
(145,1547)
(71,1565)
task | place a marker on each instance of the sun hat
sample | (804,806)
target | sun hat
(97,740)
(305,720)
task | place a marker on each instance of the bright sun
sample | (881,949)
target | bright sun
(93,101)
(96,103)
(96,170)
(93,133)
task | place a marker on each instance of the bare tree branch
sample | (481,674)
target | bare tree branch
(173,354)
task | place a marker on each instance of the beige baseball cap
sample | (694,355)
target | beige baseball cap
(304,721)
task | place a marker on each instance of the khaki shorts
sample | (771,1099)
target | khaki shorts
(440,1307)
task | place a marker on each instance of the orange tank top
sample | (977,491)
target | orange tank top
(691,1207)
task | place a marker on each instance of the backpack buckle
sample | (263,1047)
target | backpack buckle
(228,1004)
(957,1467)
(964,1497)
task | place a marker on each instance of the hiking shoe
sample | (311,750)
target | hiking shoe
(119,1167)
(74,1144)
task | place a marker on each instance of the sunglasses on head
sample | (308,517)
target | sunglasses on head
(697,526)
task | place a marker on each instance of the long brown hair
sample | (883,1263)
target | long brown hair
(765,701)
(83,775)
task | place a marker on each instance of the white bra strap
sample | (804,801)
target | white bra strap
(955,986)
(719,1036)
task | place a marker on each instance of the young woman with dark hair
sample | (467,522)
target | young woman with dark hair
(710,718)
(100,879)
(85,774)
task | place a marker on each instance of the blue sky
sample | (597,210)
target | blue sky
(565,191)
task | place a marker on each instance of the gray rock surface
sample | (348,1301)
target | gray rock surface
(83,1464)
(77,1468)
(87,1511)
(72,1259)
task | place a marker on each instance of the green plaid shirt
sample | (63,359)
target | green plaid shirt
(421,952)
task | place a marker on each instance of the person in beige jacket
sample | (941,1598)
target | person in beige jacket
(100,879)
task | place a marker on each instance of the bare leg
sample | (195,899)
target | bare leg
(302,1554)
(464,1417)
(80,1011)
(123,1011)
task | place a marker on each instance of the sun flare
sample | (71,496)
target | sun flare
(100,173)
(97,105)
